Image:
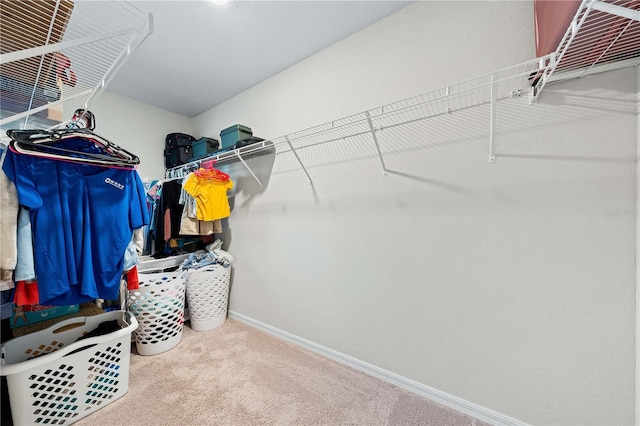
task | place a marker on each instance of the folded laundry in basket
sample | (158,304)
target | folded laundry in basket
(222,256)
(202,258)
(198,260)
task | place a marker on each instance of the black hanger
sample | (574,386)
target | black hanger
(42,143)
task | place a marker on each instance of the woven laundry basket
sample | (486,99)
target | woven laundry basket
(54,378)
(207,291)
(159,308)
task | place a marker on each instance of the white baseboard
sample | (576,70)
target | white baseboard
(466,407)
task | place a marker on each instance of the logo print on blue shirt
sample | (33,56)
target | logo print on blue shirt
(114,183)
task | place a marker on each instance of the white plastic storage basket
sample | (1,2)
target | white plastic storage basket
(56,379)
(159,307)
(207,296)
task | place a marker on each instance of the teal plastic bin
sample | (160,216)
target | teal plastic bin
(233,134)
(204,146)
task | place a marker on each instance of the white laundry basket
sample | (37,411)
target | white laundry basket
(56,379)
(207,296)
(159,307)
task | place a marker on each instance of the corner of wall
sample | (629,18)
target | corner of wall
(638,246)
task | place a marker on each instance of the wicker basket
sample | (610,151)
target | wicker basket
(159,308)
(207,296)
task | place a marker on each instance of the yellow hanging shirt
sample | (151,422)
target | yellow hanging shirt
(211,197)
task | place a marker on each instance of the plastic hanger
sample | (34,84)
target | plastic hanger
(212,174)
(15,147)
(53,136)
(96,149)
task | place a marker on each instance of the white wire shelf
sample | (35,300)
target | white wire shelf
(58,55)
(507,83)
(604,35)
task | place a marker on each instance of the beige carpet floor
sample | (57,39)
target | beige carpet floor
(238,375)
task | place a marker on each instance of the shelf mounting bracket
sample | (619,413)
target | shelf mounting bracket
(492,119)
(375,139)
(295,153)
(248,168)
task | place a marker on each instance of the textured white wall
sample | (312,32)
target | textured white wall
(139,128)
(511,285)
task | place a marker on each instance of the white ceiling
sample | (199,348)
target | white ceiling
(201,54)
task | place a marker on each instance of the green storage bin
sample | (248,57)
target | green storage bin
(204,146)
(233,134)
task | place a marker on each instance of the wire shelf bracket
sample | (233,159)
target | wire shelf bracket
(375,140)
(299,160)
(492,120)
(247,167)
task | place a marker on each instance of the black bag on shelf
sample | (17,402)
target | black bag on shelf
(175,140)
(247,141)
(178,149)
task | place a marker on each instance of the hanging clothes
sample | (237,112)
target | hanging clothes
(189,224)
(82,218)
(8,229)
(192,226)
(211,196)
(171,204)
(168,212)
(25,268)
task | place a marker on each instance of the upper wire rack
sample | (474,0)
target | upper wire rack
(57,56)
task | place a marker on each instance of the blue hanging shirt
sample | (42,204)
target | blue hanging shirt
(82,218)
